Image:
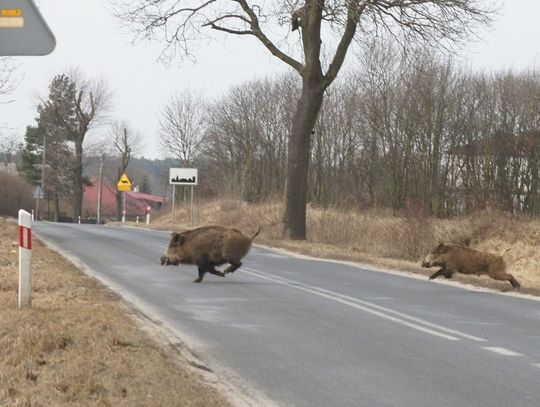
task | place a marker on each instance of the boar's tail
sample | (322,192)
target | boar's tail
(256,234)
(510,254)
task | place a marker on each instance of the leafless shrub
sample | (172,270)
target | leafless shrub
(18,195)
(413,237)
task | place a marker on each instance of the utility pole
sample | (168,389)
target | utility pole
(42,175)
(98,219)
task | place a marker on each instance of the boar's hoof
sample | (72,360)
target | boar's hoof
(197,280)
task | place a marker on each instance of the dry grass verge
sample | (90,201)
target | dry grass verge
(78,346)
(378,238)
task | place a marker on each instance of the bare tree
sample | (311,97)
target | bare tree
(125,142)
(405,131)
(8,79)
(91,99)
(9,145)
(182,126)
(76,106)
(182,24)
(244,148)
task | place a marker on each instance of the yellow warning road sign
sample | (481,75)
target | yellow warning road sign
(124,184)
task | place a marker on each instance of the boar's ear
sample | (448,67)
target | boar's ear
(178,238)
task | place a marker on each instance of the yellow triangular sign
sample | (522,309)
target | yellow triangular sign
(124,184)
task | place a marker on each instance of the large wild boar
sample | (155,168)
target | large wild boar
(208,247)
(454,258)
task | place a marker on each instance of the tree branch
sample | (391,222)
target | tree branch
(229,30)
(354,12)
(212,24)
(265,40)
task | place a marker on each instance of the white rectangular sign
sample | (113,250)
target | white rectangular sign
(38,193)
(183,176)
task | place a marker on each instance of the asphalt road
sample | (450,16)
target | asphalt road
(314,333)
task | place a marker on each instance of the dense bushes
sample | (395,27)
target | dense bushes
(15,194)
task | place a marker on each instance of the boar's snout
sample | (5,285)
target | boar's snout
(165,261)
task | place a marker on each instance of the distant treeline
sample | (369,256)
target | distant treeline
(413,133)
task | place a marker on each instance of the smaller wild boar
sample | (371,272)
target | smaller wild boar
(454,258)
(208,247)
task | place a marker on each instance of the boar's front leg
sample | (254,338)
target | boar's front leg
(207,268)
(443,271)
(201,275)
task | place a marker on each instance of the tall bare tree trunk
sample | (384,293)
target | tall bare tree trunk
(298,157)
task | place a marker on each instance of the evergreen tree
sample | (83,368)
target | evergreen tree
(31,155)
(144,185)
(51,135)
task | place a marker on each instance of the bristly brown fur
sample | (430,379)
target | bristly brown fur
(208,247)
(462,259)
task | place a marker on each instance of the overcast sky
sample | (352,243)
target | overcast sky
(89,38)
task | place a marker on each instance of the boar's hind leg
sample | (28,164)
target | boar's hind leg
(514,282)
(232,268)
(442,272)
(510,278)
(504,276)
(212,270)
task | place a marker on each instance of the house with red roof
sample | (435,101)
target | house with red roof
(137,203)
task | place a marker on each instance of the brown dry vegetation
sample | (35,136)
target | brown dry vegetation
(78,346)
(20,194)
(378,238)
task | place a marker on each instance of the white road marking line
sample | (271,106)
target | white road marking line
(347,299)
(303,287)
(502,351)
(536,365)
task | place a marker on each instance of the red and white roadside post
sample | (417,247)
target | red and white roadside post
(148,215)
(25,258)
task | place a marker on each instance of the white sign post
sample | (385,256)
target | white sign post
(25,258)
(183,176)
